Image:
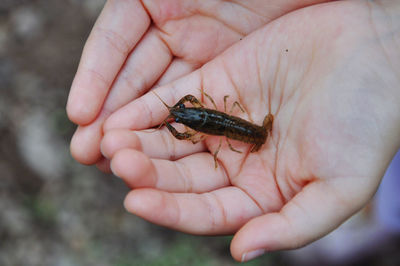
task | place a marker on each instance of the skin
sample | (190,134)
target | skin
(330,76)
(176,36)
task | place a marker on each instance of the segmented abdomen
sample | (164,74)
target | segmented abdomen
(221,124)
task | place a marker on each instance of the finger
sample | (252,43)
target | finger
(318,209)
(177,69)
(137,75)
(194,173)
(119,27)
(211,76)
(135,78)
(148,111)
(83,141)
(154,143)
(222,211)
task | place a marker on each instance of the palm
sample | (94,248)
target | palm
(175,36)
(321,163)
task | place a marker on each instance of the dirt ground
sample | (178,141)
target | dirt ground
(54,211)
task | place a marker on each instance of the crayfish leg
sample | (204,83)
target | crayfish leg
(256,147)
(178,135)
(267,123)
(216,153)
(189,98)
(231,147)
(197,138)
(236,103)
(209,98)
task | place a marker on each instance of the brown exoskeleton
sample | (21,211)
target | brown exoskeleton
(214,122)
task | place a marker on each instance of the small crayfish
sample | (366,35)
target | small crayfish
(213,122)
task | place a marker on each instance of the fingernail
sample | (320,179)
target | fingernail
(252,254)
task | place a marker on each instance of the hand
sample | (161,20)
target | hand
(324,73)
(136,45)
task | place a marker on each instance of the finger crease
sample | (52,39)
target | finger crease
(211,214)
(148,110)
(98,76)
(186,177)
(116,40)
(169,145)
(222,209)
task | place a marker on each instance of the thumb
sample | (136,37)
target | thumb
(315,211)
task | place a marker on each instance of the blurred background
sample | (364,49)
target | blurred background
(54,211)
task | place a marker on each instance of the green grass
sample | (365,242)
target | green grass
(194,251)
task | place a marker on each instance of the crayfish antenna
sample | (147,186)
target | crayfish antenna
(169,107)
(159,126)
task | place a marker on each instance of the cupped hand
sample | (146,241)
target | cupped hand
(136,45)
(326,78)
